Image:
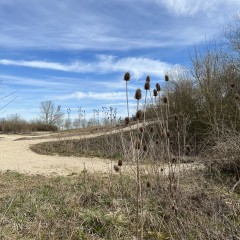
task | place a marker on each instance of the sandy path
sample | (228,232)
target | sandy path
(16,156)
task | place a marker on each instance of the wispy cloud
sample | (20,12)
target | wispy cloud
(104,64)
(108,24)
(95,95)
(190,8)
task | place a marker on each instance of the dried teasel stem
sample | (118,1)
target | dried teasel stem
(127,78)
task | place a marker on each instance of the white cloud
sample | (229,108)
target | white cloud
(190,8)
(104,64)
(95,95)
(108,24)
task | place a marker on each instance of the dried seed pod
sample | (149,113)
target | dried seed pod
(168,133)
(161,169)
(155,93)
(157,142)
(232,85)
(188,149)
(137,145)
(120,163)
(116,168)
(171,142)
(138,94)
(148,184)
(166,78)
(176,117)
(145,148)
(127,76)
(237,96)
(165,100)
(141,129)
(147,86)
(139,114)
(127,120)
(162,135)
(148,79)
(158,87)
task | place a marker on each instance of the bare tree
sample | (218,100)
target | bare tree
(50,114)
(232,33)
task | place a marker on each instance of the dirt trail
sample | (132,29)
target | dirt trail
(17,156)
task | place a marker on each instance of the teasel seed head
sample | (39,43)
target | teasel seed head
(232,85)
(137,145)
(155,93)
(138,94)
(139,114)
(127,76)
(141,129)
(237,97)
(158,87)
(151,129)
(166,78)
(168,133)
(176,117)
(162,135)
(116,168)
(171,142)
(127,120)
(145,148)
(157,142)
(147,86)
(148,79)
(188,149)
(148,184)
(165,100)
(120,163)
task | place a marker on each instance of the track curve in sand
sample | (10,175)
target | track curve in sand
(17,156)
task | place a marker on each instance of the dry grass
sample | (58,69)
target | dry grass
(89,206)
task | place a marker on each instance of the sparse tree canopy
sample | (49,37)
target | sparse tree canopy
(49,113)
(232,33)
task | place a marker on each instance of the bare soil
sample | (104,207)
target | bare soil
(16,155)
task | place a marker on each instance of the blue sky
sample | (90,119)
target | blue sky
(75,52)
